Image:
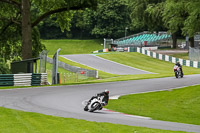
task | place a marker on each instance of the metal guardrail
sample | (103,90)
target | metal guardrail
(26,79)
(6,79)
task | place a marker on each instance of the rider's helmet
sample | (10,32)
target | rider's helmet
(106,91)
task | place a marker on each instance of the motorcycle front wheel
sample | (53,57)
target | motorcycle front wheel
(176,74)
(94,106)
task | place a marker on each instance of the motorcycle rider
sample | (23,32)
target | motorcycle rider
(179,65)
(105,99)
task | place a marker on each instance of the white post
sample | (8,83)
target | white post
(104,43)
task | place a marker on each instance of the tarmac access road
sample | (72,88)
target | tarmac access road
(67,101)
(108,66)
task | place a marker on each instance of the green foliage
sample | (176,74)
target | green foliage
(11,20)
(4,69)
(180,105)
(82,23)
(192,23)
(174,15)
(147,15)
(112,17)
(182,15)
(50,30)
(109,21)
(37,45)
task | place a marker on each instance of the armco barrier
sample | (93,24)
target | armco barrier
(6,79)
(44,80)
(36,79)
(102,50)
(27,79)
(183,62)
(22,79)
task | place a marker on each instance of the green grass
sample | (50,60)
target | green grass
(137,60)
(178,105)
(182,56)
(13,121)
(144,62)
(69,46)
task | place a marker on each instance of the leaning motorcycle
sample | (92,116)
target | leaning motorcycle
(95,104)
(177,71)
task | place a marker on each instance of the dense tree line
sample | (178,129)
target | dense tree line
(108,20)
(24,22)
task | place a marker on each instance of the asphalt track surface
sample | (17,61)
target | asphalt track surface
(67,101)
(104,65)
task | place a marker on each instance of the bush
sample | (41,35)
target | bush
(4,68)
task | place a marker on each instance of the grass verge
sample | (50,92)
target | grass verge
(184,56)
(178,105)
(70,46)
(147,63)
(13,121)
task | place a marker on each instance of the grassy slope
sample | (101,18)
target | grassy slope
(13,121)
(144,62)
(179,105)
(72,46)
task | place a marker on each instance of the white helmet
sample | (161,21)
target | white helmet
(106,91)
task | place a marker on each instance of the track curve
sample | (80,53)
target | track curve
(66,101)
(104,65)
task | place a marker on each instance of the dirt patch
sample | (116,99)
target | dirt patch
(170,52)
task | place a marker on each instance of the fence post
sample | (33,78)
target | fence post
(55,68)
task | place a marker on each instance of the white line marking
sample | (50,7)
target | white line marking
(140,117)
(82,63)
(124,65)
(117,96)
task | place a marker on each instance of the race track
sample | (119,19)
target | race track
(67,101)
(104,65)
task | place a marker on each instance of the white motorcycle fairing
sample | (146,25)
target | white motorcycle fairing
(95,104)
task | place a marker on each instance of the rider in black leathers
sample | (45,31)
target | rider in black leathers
(105,99)
(179,65)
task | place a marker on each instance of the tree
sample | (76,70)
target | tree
(174,15)
(26,15)
(192,22)
(111,18)
(147,15)
(183,15)
(83,23)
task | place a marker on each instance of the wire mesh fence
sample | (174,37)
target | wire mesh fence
(194,54)
(90,73)
(43,60)
(69,77)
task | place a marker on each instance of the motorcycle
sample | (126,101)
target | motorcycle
(95,104)
(177,71)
